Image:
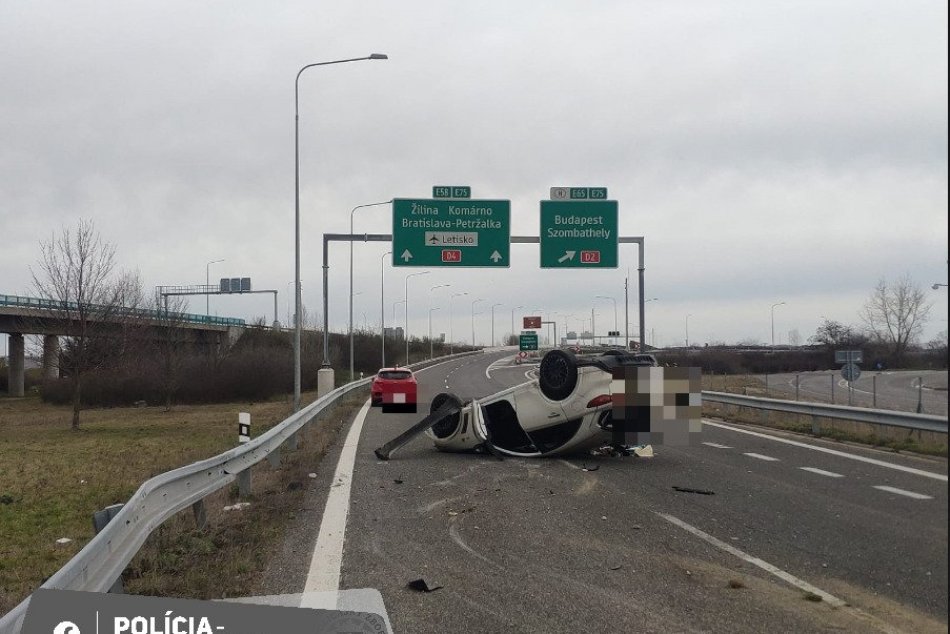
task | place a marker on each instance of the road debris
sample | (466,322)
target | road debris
(62,541)
(312,476)
(397,481)
(689,490)
(593,467)
(616,567)
(236,507)
(421,585)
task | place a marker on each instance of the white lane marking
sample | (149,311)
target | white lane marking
(910,494)
(830,474)
(327,559)
(492,366)
(755,561)
(717,445)
(761,457)
(834,452)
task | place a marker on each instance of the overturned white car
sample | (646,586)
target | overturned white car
(568,408)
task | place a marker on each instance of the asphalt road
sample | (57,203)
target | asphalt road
(608,545)
(895,390)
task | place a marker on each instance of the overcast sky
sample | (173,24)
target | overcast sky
(767,151)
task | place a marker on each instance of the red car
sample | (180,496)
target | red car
(395,389)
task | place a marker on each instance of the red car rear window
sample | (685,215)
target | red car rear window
(394,375)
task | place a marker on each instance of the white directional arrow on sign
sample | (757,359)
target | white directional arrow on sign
(568,255)
(406,256)
(495,256)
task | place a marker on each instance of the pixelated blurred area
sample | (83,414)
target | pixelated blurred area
(656,405)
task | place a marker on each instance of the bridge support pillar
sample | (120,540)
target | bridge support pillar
(50,357)
(15,367)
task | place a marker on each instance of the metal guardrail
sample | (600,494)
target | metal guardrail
(101,561)
(893,418)
(53,304)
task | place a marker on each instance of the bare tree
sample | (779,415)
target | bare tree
(895,314)
(834,334)
(77,271)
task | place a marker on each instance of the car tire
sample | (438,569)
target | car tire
(448,425)
(557,374)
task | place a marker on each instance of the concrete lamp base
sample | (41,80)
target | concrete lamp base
(325,380)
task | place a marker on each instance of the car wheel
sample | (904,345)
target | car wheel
(557,374)
(447,426)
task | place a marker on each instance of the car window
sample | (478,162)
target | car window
(394,375)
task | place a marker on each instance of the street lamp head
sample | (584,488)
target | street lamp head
(379,56)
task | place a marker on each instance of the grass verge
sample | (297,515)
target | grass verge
(52,480)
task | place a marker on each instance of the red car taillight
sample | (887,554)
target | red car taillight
(597,401)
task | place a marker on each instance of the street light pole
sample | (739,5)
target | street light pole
(480,299)
(513,319)
(773,322)
(430,330)
(407,310)
(437,286)
(401,301)
(451,333)
(493,324)
(352,211)
(297,324)
(208,283)
(616,327)
(382,308)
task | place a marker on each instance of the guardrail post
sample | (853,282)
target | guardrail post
(244,483)
(798,379)
(920,395)
(99,521)
(201,516)
(293,442)
(815,426)
(274,458)
(832,387)
(874,391)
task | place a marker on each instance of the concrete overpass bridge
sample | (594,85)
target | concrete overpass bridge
(20,316)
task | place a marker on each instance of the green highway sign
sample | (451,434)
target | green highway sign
(451,191)
(579,234)
(464,233)
(528,342)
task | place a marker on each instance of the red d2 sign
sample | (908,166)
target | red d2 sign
(451,255)
(590,257)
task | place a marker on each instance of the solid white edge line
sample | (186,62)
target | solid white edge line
(904,492)
(834,452)
(327,558)
(830,474)
(755,561)
(717,445)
